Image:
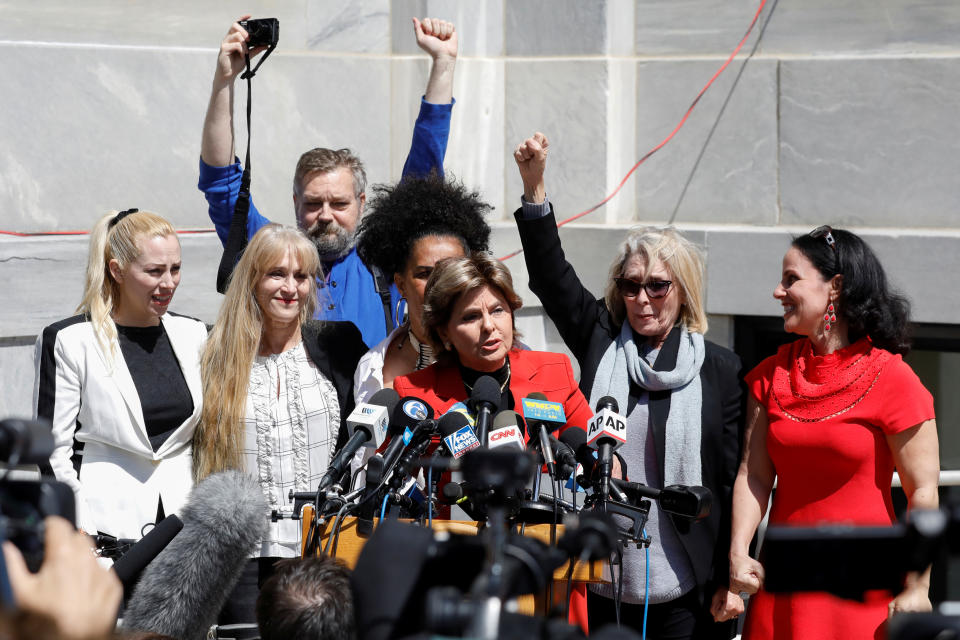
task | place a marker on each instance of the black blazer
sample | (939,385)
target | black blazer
(588,329)
(336,348)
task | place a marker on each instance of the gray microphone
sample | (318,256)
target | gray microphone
(182,591)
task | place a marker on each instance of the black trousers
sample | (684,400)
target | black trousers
(241,605)
(684,618)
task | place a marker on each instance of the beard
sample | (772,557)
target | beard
(331,240)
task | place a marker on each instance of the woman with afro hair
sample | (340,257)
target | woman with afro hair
(407,229)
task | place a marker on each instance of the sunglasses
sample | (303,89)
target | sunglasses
(826,233)
(631,288)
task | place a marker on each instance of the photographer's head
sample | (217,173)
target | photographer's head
(329,191)
(308,599)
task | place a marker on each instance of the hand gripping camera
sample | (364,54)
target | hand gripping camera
(25,503)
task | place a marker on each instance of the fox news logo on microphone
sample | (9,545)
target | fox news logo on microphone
(461,441)
(607,424)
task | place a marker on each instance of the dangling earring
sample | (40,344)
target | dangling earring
(830,317)
(447,346)
(399,316)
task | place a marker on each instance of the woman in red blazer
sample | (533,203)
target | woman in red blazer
(468,313)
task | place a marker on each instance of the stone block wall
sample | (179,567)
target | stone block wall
(845,114)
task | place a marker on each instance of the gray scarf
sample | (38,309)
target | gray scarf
(681,463)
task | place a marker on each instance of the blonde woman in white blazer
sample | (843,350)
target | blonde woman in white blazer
(120,382)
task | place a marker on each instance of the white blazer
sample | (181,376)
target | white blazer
(92,402)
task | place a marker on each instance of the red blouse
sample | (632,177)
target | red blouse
(828,421)
(829,417)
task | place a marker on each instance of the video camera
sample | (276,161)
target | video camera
(25,503)
(847,561)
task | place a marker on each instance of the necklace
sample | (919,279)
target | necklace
(424,351)
(505,371)
(811,388)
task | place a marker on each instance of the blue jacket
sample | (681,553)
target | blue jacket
(348,291)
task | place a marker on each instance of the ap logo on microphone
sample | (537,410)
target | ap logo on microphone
(607,424)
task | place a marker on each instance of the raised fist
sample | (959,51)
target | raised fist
(436,37)
(531,158)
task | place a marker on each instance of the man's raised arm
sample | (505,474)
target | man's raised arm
(432,129)
(219,171)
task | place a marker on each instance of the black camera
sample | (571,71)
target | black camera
(264,32)
(25,503)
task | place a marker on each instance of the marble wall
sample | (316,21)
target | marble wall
(844,114)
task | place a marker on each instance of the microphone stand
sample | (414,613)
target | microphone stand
(503,474)
(487,587)
(432,487)
(405,465)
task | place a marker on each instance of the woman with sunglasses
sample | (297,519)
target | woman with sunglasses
(642,344)
(829,417)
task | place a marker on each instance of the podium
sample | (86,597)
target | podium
(350,544)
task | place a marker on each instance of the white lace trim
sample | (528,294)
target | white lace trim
(259,391)
(264,380)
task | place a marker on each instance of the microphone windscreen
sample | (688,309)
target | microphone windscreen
(506,430)
(608,402)
(507,418)
(541,413)
(486,390)
(385,398)
(458,436)
(564,454)
(573,437)
(453,491)
(129,566)
(451,422)
(184,588)
(608,426)
(576,439)
(408,412)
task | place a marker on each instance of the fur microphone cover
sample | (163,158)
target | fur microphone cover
(183,589)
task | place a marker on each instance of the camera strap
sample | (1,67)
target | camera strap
(237,236)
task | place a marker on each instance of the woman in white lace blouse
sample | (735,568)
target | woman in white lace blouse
(277,389)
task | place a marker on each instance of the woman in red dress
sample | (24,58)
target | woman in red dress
(830,417)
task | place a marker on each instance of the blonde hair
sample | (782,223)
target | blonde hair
(120,242)
(233,344)
(682,257)
(451,278)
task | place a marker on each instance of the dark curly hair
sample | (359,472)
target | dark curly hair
(867,303)
(399,215)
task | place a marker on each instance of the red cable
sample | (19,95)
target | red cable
(683,120)
(646,156)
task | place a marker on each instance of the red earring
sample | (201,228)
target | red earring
(829,317)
